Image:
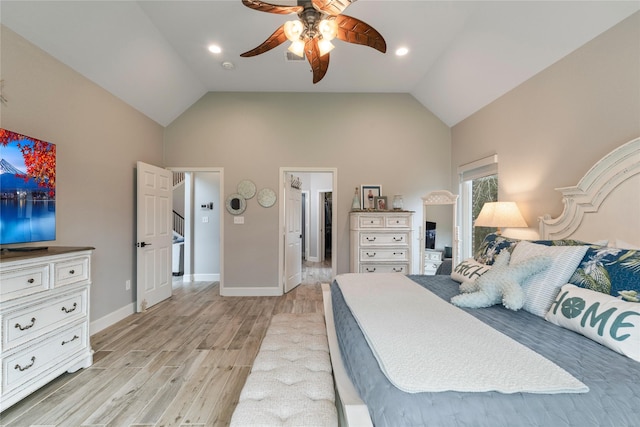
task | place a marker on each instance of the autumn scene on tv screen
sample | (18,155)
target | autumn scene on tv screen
(27,189)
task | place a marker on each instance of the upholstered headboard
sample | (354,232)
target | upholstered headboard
(605,204)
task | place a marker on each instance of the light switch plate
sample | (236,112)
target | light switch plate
(205,219)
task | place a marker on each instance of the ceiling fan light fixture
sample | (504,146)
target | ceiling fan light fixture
(325,46)
(297,48)
(293,30)
(328,28)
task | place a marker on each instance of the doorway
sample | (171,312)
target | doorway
(198,204)
(319,256)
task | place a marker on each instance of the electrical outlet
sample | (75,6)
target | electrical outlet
(127,285)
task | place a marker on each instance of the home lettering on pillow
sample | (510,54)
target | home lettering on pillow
(607,320)
(574,307)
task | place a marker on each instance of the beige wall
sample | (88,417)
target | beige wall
(386,139)
(98,140)
(551,129)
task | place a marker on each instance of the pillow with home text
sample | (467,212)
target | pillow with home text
(469,270)
(610,321)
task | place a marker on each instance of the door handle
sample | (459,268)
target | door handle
(143,244)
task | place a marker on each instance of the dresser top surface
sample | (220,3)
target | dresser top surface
(7,254)
(370,211)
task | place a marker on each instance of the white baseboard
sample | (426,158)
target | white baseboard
(111,318)
(201,278)
(251,291)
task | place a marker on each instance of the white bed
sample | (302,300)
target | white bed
(605,204)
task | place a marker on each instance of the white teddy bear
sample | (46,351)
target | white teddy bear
(501,283)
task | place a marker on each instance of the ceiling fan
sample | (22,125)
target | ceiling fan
(319,22)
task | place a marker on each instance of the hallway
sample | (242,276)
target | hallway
(316,272)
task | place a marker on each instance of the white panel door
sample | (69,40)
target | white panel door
(155,186)
(293,234)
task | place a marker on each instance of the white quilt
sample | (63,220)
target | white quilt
(424,344)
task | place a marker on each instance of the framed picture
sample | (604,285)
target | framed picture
(368,194)
(381,203)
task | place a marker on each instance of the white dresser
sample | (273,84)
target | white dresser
(381,241)
(432,260)
(44,306)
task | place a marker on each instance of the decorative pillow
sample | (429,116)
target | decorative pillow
(541,289)
(611,271)
(491,246)
(469,270)
(494,243)
(604,319)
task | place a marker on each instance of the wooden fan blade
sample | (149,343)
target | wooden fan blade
(353,30)
(271,8)
(319,64)
(331,7)
(275,39)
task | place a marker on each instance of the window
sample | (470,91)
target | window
(478,184)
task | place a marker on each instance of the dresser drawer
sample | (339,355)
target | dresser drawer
(384,239)
(430,267)
(371,221)
(397,221)
(384,268)
(24,281)
(71,271)
(32,361)
(28,323)
(432,255)
(382,254)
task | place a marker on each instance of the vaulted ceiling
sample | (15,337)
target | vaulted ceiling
(462,54)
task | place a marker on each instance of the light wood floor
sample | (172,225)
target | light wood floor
(182,363)
(316,272)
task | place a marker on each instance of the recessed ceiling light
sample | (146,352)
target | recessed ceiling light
(228,65)
(214,48)
(402,51)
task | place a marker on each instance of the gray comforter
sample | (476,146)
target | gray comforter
(613,379)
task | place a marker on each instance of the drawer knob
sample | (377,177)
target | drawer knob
(72,272)
(371,270)
(75,337)
(24,368)
(69,310)
(397,239)
(371,239)
(24,328)
(398,253)
(30,281)
(397,270)
(371,255)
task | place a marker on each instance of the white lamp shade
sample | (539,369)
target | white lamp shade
(297,48)
(293,30)
(500,214)
(325,46)
(328,28)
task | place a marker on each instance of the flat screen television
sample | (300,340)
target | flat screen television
(430,235)
(27,189)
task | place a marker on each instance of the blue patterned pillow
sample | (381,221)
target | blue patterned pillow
(611,271)
(491,247)
(493,244)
